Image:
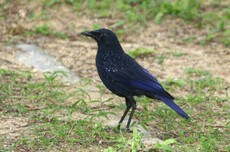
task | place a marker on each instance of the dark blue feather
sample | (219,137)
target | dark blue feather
(172,105)
(147,85)
(122,75)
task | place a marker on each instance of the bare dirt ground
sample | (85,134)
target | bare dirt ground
(78,53)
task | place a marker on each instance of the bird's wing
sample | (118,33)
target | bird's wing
(137,78)
(141,80)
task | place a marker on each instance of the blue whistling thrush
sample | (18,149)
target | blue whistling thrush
(123,76)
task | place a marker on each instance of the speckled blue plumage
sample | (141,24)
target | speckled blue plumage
(123,76)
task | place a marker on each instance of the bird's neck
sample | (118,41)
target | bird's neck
(107,52)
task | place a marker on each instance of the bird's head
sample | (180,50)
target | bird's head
(103,37)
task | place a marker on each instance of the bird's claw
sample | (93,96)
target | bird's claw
(124,129)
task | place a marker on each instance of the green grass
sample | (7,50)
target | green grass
(140,52)
(160,59)
(47,31)
(135,14)
(50,107)
(51,123)
(202,126)
(177,53)
(212,16)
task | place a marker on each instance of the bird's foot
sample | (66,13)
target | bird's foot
(117,129)
(124,130)
(128,130)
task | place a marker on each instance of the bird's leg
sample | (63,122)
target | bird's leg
(128,106)
(133,105)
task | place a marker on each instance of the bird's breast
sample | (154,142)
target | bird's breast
(105,72)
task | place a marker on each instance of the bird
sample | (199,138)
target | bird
(126,78)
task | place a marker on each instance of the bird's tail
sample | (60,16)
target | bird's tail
(173,105)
